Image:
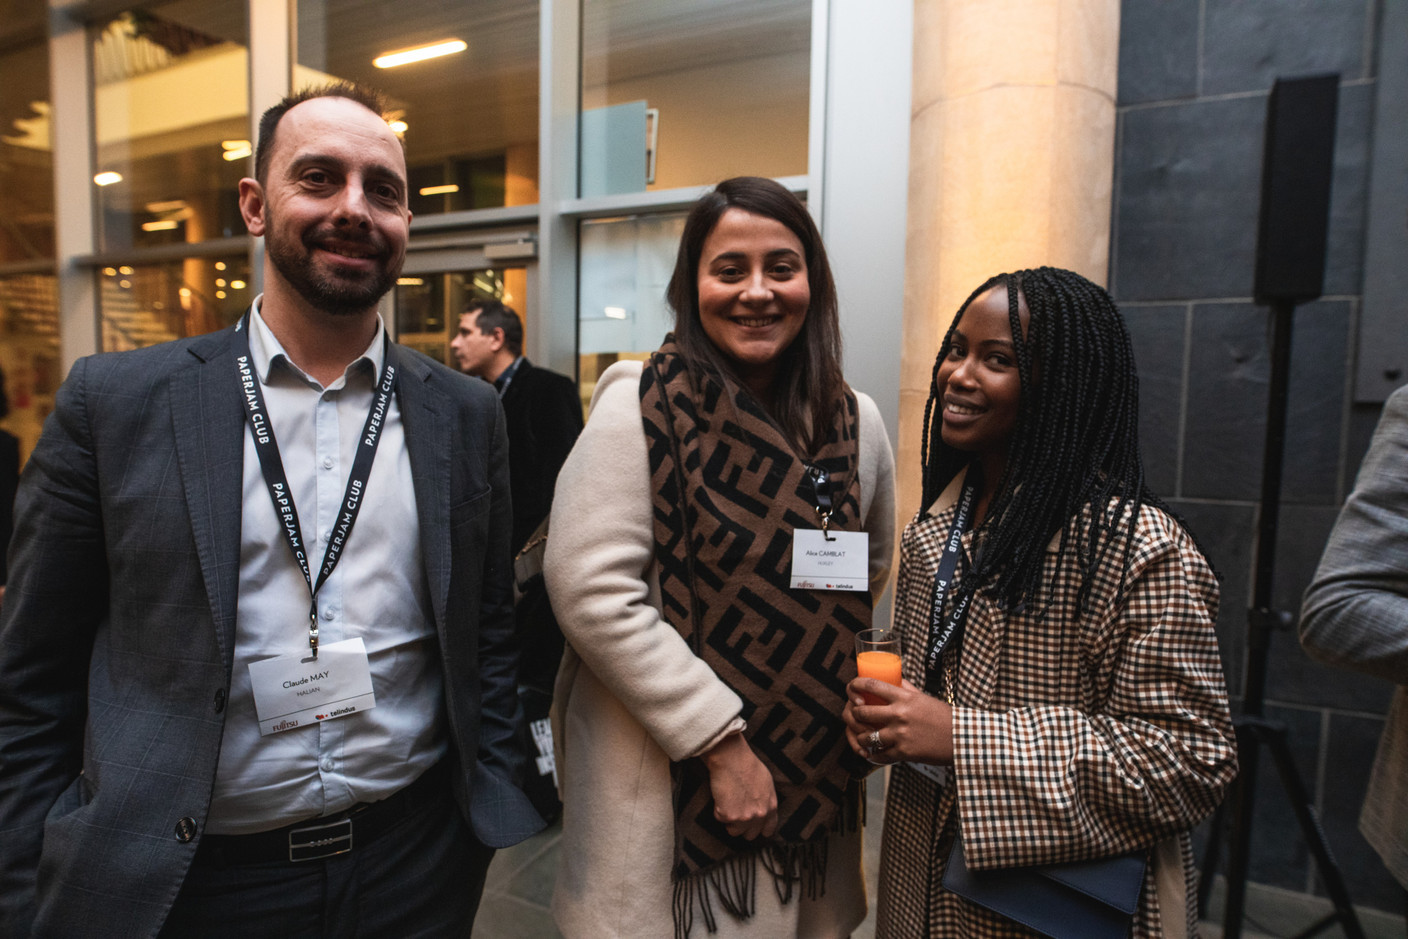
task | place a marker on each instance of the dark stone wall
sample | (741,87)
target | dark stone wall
(1193,85)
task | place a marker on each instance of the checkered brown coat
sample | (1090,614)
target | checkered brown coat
(1072,739)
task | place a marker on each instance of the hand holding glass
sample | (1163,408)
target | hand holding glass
(878,656)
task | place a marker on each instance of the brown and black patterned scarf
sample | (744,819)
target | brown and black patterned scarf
(787,653)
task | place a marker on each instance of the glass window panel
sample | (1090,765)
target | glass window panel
(626,266)
(471,116)
(29,353)
(150,303)
(428,306)
(26,147)
(681,93)
(171,111)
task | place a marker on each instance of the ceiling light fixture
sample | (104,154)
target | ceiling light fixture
(398,127)
(439,190)
(108,178)
(420,53)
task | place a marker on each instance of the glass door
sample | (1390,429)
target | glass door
(429,303)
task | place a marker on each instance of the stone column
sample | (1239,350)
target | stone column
(1012,142)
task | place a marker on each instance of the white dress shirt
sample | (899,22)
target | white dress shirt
(378,592)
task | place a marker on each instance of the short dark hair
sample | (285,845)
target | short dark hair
(369,98)
(809,382)
(493,314)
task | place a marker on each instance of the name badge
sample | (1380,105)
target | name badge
(841,563)
(292,691)
(938,774)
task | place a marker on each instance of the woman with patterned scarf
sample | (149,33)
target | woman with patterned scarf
(1064,698)
(707,784)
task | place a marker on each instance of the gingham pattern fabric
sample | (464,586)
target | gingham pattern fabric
(1072,739)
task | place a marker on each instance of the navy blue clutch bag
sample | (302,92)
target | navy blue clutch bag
(1080,900)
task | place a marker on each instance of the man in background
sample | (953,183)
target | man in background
(542,407)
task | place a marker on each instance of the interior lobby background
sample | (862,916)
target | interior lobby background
(833,97)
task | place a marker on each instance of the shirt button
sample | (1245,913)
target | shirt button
(219,700)
(327,764)
(185,829)
(327,462)
(329,614)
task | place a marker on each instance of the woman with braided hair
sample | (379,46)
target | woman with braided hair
(708,787)
(1064,698)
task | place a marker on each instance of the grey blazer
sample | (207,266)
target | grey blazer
(1355,615)
(118,626)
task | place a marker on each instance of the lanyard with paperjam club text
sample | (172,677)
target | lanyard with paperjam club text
(945,630)
(267,449)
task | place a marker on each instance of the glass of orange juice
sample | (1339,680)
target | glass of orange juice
(878,656)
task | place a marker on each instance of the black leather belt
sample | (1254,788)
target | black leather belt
(313,839)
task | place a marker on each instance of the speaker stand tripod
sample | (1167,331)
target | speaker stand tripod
(1253,728)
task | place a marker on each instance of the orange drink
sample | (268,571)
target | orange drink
(882,665)
(878,656)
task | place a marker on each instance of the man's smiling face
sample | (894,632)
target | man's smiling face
(334,215)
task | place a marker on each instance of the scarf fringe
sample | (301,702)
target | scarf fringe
(733,883)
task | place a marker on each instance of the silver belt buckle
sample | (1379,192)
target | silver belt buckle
(314,842)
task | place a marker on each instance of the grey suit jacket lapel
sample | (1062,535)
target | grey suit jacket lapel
(428,443)
(207,417)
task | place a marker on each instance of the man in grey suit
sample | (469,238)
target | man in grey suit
(1355,616)
(256,654)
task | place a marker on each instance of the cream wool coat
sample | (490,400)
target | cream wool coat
(631,696)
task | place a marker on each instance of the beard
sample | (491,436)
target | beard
(332,293)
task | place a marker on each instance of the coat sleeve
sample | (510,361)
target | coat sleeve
(56,596)
(1355,613)
(1150,756)
(877,461)
(599,552)
(502,813)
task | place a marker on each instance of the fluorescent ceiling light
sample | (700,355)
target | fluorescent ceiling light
(410,282)
(165,224)
(420,53)
(439,190)
(398,127)
(108,178)
(231,156)
(615,313)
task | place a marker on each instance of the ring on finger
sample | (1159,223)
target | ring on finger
(875,744)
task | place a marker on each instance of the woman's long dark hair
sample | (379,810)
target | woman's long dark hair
(1075,443)
(809,386)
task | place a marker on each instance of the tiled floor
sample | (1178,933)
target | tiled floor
(519,889)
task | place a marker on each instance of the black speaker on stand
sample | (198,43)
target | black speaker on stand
(1290,269)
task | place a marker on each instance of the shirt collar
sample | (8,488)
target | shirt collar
(265,349)
(506,376)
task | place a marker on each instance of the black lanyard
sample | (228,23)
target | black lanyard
(944,631)
(267,449)
(818,485)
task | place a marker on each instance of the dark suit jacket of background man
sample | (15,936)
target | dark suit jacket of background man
(119,625)
(544,418)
